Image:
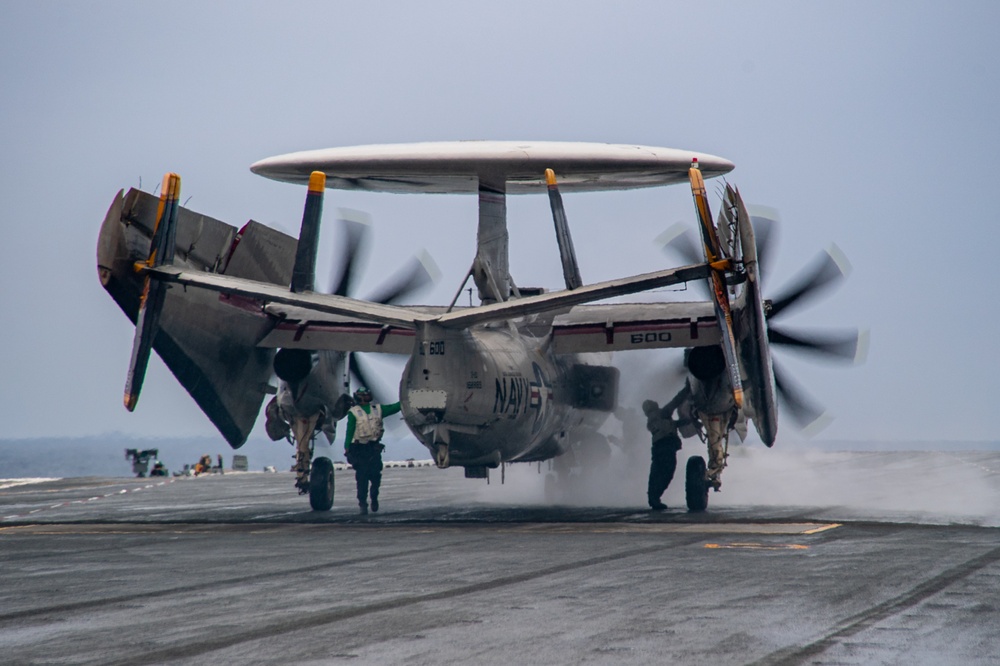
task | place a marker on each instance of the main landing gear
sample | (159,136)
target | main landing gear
(696,484)
(321,484)
(312,477)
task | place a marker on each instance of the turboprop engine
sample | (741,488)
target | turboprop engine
(749,240)
(311,383)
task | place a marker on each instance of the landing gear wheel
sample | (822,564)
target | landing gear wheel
(695,485)
(321,485)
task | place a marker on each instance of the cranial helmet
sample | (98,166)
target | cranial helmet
(362,394)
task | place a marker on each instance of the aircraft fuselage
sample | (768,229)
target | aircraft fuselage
(492,395)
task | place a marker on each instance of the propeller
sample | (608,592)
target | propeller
(826,270)
(803,410)
(415,274)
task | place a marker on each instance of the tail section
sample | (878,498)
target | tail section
(208,341)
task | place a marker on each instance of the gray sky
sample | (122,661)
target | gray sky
(871,125)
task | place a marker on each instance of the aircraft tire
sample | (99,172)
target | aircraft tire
(695,486)
(321,485)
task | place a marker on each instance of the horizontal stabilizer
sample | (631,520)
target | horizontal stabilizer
(396,318)
(557,300)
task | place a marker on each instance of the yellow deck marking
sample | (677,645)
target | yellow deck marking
(823,529)
(675,528)
(759,546)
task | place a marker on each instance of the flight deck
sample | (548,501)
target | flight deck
(235,569)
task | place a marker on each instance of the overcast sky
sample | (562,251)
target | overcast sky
(870,125)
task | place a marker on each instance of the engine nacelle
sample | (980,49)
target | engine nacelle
(705,363)
(294,365)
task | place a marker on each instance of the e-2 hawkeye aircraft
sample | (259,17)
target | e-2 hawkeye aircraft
(510,380)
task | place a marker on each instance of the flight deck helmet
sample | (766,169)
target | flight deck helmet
(362,395)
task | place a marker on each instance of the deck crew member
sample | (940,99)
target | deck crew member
(666,443)
(363,445)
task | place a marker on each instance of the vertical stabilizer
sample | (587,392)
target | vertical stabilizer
(717,279)
(153,292)
(571,270)
(304,270)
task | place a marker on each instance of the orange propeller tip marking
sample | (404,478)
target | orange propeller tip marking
(550,177)
(317,181)
(130,401)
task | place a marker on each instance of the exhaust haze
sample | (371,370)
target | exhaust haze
(932,487)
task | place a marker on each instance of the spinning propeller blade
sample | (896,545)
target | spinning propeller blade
(841,347)
(765,226)
(357,228)
(362,376)
(679,239)
(803,409)
(419,272)
(827,269)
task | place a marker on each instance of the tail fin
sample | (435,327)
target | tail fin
(304,271)
(153,292)
(571,270)
(719,263)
